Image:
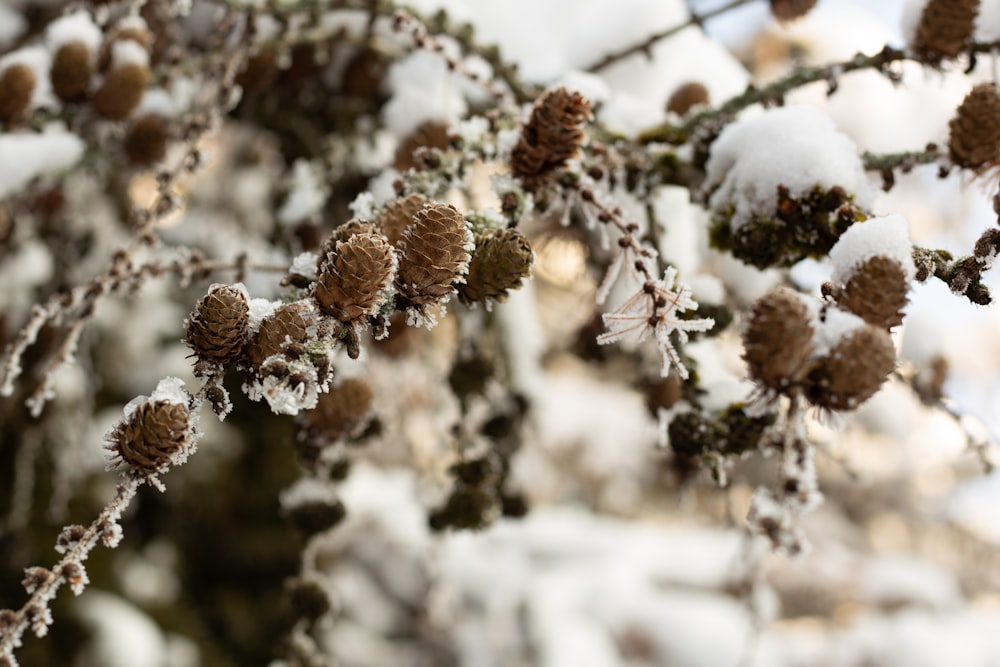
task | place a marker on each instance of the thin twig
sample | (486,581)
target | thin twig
(35,611)
(646,45)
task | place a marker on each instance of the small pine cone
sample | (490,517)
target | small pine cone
(72,67)
(551,136)
(353,279)
(398,215)
(987,247)
(341,412)
(945,28)
(778,339)
(502,258)
(974,132)
(288,324)
(121,91)
(876,292)
(686,96)
(429,134)
(854,369)
(434,255)
(218,328)
(343,233)
(151,434)
(17,84)
(789,10)
(146,140)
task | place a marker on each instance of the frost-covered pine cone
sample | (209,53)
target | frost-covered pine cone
(435,253)
(354,277)
(218,328)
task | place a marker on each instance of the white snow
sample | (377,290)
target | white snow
(171,390)
(886,236)
(25,156)
(128,52)
(838,324)
(423,90)
(796,147)
(261,309)
(76,27)
(306,195)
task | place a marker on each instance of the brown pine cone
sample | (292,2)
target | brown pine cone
(218,328)
(945,29)
(287,324)
(146,140)
(17,84)
(340,412)
(778,339)
(877,292)
(121,91)
(354,277)
(72,67)
(686,96)
(434,255)
(789,10)
(429,134)
(151,434)
(551,136)
(853,371)
(974,132)
(501,260)
(342,233)
(398,215)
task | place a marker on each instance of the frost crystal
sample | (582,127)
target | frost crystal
(260,310)
(656,308)
(170,389)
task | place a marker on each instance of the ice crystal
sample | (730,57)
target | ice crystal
(656,309)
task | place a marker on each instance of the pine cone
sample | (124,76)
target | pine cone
(434,255)
(146,140)
(876,292)
(398,215)
(945,29)
(551,136)
(686,96)
(17,84)
(778,339)
(122,90)
(217,330)
(151,434)
(354,277)
(287,324)
(789,10)
(429,134)
(854,369)
(974,132)
(72,67)
(343,233)
(340,412)
(502,258)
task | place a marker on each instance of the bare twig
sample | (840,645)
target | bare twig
(646,45)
